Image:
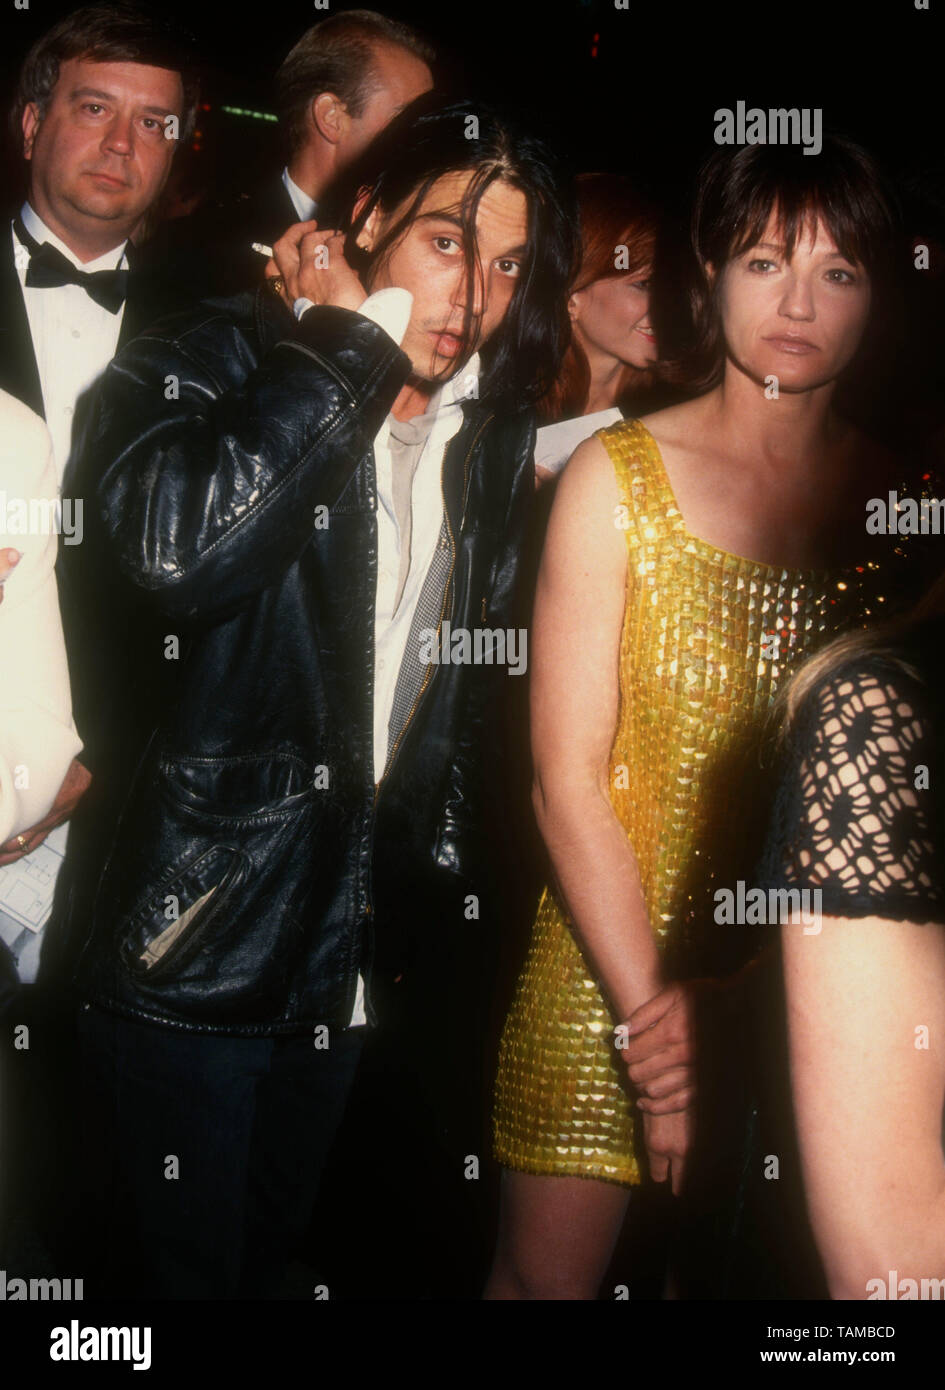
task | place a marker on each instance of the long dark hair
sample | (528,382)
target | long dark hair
(737,192)
(521,359)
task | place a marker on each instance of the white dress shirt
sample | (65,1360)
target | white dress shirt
(74,338)
(392,623)
(306,207)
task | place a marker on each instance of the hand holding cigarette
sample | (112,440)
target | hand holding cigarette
(310,264)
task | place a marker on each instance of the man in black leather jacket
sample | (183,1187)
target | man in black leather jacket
(292,515)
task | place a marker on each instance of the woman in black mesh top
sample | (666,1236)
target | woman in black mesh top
(860,819)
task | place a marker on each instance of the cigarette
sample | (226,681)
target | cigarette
(262,248)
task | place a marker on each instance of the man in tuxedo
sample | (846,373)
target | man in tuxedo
(339,87)
(103,101)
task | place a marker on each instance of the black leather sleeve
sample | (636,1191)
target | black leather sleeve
(211,463)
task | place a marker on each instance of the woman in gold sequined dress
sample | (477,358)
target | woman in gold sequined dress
(692,558)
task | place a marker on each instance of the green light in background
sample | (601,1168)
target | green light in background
(253,115)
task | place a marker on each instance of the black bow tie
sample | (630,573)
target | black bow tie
(49,269)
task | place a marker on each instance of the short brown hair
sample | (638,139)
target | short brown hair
(120,33)
(738,190)
(337,56)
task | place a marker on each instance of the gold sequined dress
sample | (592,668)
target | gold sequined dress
(706,637)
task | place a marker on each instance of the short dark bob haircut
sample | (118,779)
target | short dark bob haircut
(522,358)
(121,33)
(737,192)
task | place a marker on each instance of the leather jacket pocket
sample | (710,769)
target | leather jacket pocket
(169,926)
(248,788)
(208,884)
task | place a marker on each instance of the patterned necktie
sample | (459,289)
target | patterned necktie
(49,269)
(426,618)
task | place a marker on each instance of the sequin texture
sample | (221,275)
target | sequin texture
(706,638)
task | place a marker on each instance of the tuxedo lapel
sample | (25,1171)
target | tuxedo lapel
(149,298)
(19,373)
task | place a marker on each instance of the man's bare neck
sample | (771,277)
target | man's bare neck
(85,247)
(413,400)
(310,173)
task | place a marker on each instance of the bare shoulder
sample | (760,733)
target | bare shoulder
(585,505)
(675,427)
(589,476)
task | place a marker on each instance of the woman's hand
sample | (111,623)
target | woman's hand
(668,1139)
(9,559)
(656,1045)
(657,1042)
(311,265)
(74,786)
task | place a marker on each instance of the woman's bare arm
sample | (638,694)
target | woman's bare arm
(866,1020)
(574,703)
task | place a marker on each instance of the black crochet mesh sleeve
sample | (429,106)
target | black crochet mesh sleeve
(858,812)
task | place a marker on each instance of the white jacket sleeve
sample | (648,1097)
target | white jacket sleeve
(38,739)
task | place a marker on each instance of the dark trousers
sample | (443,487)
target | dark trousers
(413,1168)
(37,1139)
(203,1154)
(742,1229)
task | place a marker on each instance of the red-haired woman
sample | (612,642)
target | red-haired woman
(613,346)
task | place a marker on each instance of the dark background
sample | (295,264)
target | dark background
(631,90)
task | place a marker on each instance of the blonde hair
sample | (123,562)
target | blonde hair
(884,641)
